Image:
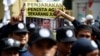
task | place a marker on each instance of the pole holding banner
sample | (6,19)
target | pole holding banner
(24,14)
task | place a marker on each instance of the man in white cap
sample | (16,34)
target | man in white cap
(89,19)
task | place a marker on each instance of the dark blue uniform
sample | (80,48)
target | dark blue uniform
(5,30)
(24,51)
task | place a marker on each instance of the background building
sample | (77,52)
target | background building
(81,8)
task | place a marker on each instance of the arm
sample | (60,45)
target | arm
(58,13)
(19,18)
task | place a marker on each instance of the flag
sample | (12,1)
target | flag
(90,2)
(8,2)
(6,17)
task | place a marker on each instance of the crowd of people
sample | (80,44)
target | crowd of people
(20,39)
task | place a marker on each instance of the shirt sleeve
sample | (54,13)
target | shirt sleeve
(76,23)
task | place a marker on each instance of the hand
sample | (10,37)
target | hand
(58,13)
(14,19)
(23,8)
(20,16)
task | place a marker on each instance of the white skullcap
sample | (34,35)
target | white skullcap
(89,16)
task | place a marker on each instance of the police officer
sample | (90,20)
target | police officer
(9,47)
(65,37)
(84,47)
(83,31)
(20,33)
(31,26)
(41,43)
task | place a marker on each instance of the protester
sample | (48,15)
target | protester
(95,30)
(5,30)
(45,23)
(41,43)
(65,37)
(9,47)
(74,21)
(58,13)
(83,31)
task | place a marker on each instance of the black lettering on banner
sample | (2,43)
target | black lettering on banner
(30,13)
(51,14)
(29,9)
(61,9)
(44,14)
(37,13)
(37,9)
(51,9)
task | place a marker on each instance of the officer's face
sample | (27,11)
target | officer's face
(93,53)
(22,37)
(64,48)
(43,48)
(9,53)
(84,33)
